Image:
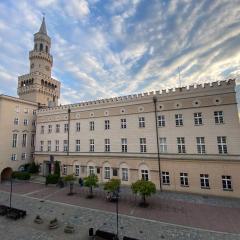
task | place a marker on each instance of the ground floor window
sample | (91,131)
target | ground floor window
(184,179)
(124,174)
(227,182)
(165,178)
(115,172)
(91,170)
(64,169)
(144,174)
(107,172)
(77,170)
(204,180)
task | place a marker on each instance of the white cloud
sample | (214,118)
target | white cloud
(45,3)
(77,9)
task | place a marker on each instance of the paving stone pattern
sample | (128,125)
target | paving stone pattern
(83,219)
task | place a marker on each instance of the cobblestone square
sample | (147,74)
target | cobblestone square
(169,215)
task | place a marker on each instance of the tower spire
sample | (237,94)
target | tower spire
(43,28)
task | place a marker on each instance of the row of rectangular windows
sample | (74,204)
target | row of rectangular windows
(24,140)
(25,122)
(165,176)
(204,180)
(25,110)
(198,120)
(14,156)
(181,147)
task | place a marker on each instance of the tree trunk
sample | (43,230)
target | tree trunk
(91,191)
(144,199)
(71,188)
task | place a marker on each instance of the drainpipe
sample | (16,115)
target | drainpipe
(69,111)
(158,152)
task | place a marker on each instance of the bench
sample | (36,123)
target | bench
(128,238)
(103,235)
(15,213)
(3,210)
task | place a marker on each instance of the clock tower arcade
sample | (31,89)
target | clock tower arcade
(38,86)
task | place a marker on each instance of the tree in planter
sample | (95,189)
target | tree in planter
(112,187)
(145,189)
(70,179)
(90,182)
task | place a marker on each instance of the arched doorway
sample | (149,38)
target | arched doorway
(6,174)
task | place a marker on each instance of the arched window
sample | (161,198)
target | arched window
(41,46)
(42,82)
(35,47)
(46,49)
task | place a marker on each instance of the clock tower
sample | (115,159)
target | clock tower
(38,86)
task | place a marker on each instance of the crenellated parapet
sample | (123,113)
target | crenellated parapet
(41,55)
(172,92)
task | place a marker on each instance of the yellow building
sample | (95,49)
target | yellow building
(184,139)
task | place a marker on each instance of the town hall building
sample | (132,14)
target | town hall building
(183,139)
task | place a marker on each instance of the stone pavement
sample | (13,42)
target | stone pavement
(83,213)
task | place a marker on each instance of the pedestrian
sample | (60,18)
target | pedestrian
(80,182)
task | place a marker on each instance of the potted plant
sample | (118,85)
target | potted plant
(145,189)
(90,182)
(70,179)
(112,188)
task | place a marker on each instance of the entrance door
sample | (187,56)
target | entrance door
(46,168)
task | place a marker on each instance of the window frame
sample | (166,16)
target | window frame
(107,146)
(181,145)
(222,145)
(179,119)
(184,181)
(198,119)
(204,181)
(123,123)
(143,145)
(227,183)
(91,145)
(161,120)
(107,124)
(218,117)
(78,145)
(165,178)
(201,146)
(141,122)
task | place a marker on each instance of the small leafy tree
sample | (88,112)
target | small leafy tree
(90,182)
(70,178)
(112,185)
(145,189)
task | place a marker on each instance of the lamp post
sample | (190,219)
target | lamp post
(10,200)
(117,197)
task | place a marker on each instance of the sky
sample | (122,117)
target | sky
(108,48)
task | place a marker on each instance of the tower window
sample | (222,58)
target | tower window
(41,46)
(35,46)
(46,49)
